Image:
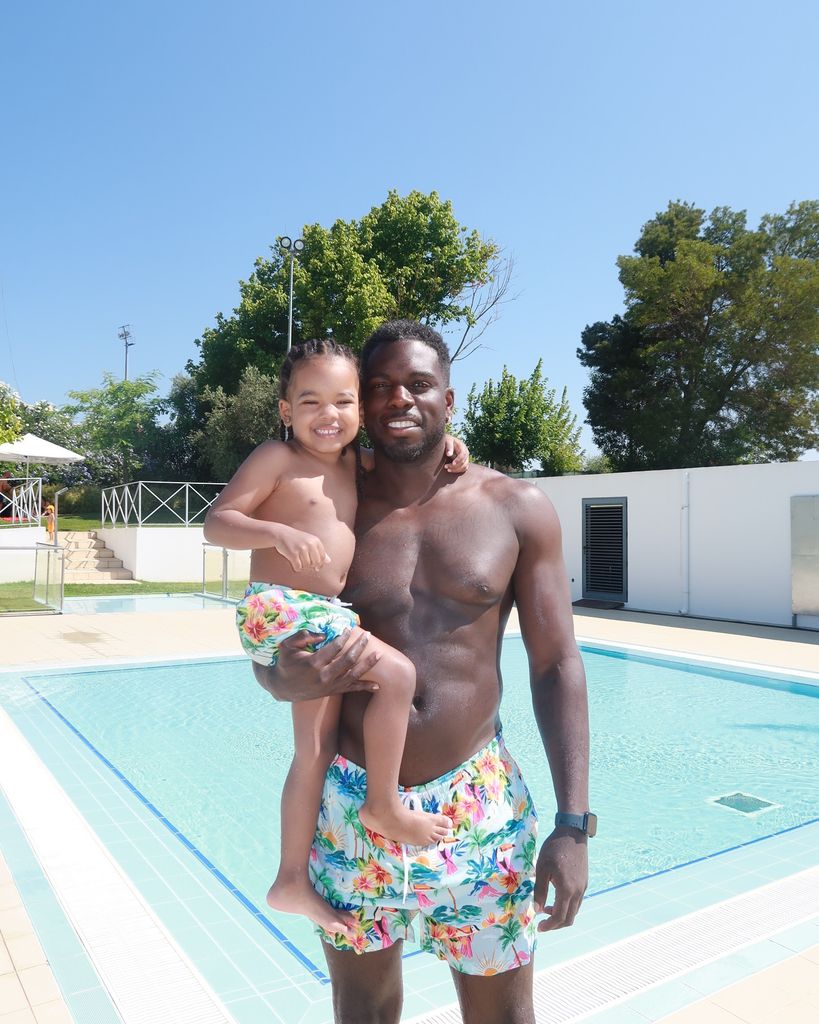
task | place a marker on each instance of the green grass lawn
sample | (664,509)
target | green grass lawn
(18,597)
(67,523)
(140,587)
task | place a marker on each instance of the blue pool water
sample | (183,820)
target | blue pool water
(207,749)
(140,603)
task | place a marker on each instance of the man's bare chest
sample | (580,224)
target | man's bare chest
(434,556)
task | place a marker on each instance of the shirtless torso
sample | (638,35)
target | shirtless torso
(427,579)
(317,497)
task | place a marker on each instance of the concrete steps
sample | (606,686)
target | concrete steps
(88,560)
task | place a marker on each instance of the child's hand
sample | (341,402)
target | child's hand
(456,453)
(302,550)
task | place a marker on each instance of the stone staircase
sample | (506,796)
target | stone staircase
(88,560)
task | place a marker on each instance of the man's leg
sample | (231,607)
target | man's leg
(367,988)
(505,998)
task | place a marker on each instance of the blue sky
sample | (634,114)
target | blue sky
(151,151)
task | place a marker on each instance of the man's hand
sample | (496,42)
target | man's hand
(564,864)
(301,674)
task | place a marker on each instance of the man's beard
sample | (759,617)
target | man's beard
(399,451)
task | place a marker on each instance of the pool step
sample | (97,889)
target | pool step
(97,575)
(88,560)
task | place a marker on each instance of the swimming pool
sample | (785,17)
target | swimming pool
(141,603)
(200,745)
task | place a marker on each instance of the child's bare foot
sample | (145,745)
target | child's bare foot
(299,897)
(399,823)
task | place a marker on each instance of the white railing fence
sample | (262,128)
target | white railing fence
(158,503)
(224,573)
(23,504)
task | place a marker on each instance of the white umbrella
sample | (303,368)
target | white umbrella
(36,449)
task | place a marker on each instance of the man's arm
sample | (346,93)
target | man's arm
(559,697)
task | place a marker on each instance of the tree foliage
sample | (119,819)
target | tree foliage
(56,424)
(178,453)
(11,421)
(238,423)
(117,426)
(408,257)
(715,360)
(512,423)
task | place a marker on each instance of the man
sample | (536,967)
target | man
(439,562)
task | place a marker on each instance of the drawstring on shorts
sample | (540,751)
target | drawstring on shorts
(413,803)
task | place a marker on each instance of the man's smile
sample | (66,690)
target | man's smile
(401,423)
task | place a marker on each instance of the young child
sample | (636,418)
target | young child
(48,512)
(294,502)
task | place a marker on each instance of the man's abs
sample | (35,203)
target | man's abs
(455,710)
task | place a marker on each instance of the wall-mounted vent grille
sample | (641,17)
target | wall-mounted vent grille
(604,549)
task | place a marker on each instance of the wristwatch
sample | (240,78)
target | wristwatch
(585,823)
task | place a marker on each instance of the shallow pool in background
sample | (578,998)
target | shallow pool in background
(206,750)
(141,603)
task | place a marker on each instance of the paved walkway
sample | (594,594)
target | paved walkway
(787,992)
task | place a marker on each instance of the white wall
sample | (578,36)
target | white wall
(160,553)
(165,553)
(739,536)
(17,566)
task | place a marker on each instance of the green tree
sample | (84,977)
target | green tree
(236,424)
(596,464)
(117,426)
(11,421)
(408,257)
(715,360)
(178,454)
(56,424)
(512,423)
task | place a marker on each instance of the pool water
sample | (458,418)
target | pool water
(141,603)
(208,750)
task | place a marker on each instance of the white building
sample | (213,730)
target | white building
(727,542)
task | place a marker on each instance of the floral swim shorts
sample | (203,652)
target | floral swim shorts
(268,614)
(472,892)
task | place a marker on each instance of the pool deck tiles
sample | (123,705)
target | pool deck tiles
(754,984)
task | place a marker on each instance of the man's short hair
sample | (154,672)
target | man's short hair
(405,330)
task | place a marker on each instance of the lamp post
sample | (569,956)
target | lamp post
(124,334)
(291,246)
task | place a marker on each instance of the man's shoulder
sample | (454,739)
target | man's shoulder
(518,493)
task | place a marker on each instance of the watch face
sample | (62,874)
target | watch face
(591,825)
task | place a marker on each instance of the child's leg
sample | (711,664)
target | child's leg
(385,730)
(315,732)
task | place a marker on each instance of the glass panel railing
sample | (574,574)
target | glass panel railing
(224,573)
(17,579)
(237,575)
(49,576)
(31,578)
(213,571)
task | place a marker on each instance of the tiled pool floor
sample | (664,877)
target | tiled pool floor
(252,979)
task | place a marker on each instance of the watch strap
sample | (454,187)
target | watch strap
(578,821)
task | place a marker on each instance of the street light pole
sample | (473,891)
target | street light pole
(290,246)
(124,333)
